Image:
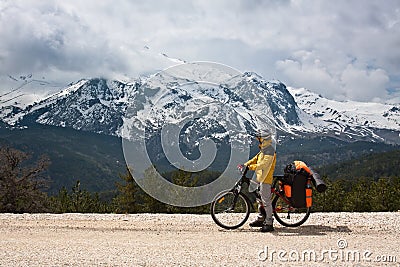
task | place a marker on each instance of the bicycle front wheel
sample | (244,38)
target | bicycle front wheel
(230,210)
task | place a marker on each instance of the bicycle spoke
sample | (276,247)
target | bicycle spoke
(287,215)
(230,210)
(284,212)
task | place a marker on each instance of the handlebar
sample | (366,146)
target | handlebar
(244,169)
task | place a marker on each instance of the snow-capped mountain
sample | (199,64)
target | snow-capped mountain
(350,119)
(373,115)
(19,90)
(99,105)
(96,105)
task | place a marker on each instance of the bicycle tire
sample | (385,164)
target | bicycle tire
(223,214)
(285,213)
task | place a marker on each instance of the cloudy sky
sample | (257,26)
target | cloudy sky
(340,49)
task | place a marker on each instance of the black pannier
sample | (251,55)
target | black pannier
(295,186)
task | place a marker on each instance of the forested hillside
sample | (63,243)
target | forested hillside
(96,160)
(377,165)
(85,172)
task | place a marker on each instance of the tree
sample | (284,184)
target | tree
(132,198)
(151,180)
(385,194)
(181,178)
(79,200)
(127,201)
(21,184)
(359,198)
(333,199)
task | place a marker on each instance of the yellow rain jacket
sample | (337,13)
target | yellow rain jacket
(263,165)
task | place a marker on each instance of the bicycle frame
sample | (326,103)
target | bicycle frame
(238,187)
(230,209)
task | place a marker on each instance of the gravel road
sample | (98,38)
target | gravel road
(326,239)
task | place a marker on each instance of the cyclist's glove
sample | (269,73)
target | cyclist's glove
(241,167)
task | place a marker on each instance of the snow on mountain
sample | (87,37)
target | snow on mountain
(280,102)
(96,105)
(100,105)
(374,115)
(20,91)
(12,114)
(178,100)
(350,117)
(24,89)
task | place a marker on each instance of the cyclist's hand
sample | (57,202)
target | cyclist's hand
(241,167)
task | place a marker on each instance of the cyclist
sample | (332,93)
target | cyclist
(264,164)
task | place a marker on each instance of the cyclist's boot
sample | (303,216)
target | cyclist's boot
(268,225)
(258,222)
(267,228)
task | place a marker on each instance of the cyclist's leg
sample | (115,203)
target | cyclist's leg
(265,193)
(258,222)
(261,211)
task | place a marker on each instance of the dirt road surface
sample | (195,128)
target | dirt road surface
(326,239)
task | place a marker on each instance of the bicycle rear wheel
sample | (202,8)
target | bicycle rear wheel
(230,210)
(285,213)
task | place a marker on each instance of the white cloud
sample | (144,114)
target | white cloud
(301,43)
(364,85)
(311,75)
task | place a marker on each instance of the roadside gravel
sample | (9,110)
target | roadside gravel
(326,239)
